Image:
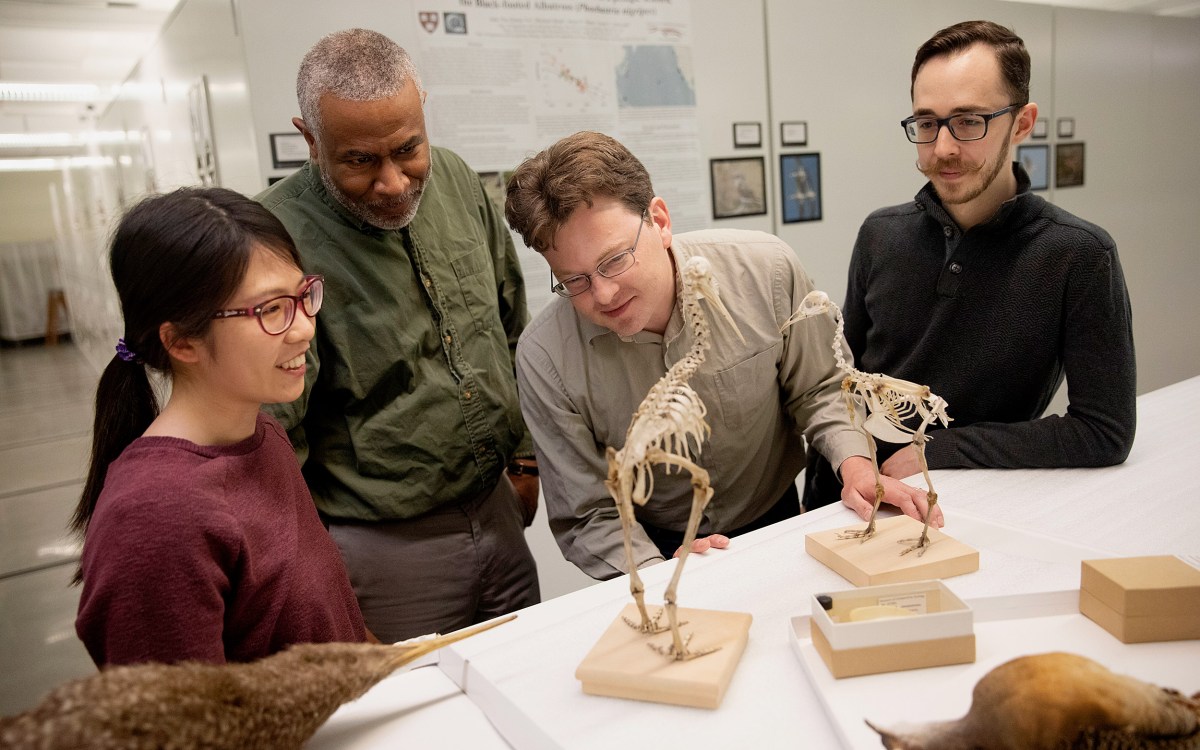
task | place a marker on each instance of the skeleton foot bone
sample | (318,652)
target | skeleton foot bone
(685,654)
(650,625)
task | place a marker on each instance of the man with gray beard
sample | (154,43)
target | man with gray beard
(409,431)
(984,291)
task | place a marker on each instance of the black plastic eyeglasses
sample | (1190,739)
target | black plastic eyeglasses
(613,265)
(277,314)
(964,127)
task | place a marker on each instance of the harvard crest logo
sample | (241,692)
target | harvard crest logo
(429,20)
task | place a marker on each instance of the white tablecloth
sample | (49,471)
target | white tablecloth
(1032,527)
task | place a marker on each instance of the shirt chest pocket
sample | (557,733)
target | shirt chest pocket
(748,392)
(476,282)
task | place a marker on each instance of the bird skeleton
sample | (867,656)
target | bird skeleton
(889,402)
(668,430)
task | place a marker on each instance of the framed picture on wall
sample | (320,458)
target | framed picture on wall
(1041,128)
(1036,160)
(739,187)
(288,150)
(747,134)
(800,186)
(1066,127)
(1068,165)
(793,133)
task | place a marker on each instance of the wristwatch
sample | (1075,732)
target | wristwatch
(519,469)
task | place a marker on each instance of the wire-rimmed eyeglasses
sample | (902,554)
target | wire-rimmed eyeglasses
(968,126)
(613,265)
(276,314)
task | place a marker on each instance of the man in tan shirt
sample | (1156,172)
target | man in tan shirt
(587,361)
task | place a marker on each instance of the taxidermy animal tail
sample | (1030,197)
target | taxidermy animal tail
(276,702)
(1060,700)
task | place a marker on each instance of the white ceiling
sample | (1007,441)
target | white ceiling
(99,41)
(70,41)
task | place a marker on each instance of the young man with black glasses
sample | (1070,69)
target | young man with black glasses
(984,291)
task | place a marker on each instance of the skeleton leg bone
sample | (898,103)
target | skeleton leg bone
(868,532)
(648,624)
(701,494)
(919,440)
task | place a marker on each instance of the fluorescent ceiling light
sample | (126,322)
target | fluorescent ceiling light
(66,140)
(53,165)
(52,92)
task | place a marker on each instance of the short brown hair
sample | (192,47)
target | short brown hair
(1010,52)
(547,188)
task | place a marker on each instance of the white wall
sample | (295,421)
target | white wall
(202,40)
(1132,84)
(731,86)
(28,254)
(25,211)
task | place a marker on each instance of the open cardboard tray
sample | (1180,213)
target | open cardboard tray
(1005,627)
(937,631)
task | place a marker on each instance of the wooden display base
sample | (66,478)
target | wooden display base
(622,664)
(878,560)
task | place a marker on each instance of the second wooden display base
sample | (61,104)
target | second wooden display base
(878,560)
(623,665)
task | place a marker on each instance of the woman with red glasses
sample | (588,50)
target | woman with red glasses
(201,541)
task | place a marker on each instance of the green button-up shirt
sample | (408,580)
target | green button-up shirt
(410,400)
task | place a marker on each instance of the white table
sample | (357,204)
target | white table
(1032,528)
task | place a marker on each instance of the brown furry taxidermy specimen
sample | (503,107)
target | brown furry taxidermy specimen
(1060,701)
(276,702)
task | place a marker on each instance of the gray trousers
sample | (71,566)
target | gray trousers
(450,568)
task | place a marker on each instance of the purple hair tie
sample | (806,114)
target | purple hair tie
(123,351)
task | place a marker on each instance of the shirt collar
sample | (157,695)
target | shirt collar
(928,197)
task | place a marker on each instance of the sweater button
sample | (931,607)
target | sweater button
(955,268)
(948,231)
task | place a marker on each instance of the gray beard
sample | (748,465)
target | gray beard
(368,213)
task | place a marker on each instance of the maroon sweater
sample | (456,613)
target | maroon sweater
(210,553)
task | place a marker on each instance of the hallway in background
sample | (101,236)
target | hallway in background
(46,397)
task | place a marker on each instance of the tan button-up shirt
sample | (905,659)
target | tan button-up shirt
(580,384)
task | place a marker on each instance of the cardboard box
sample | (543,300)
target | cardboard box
(1142,599)
(939,631)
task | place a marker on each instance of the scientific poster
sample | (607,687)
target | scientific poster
(506,78)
